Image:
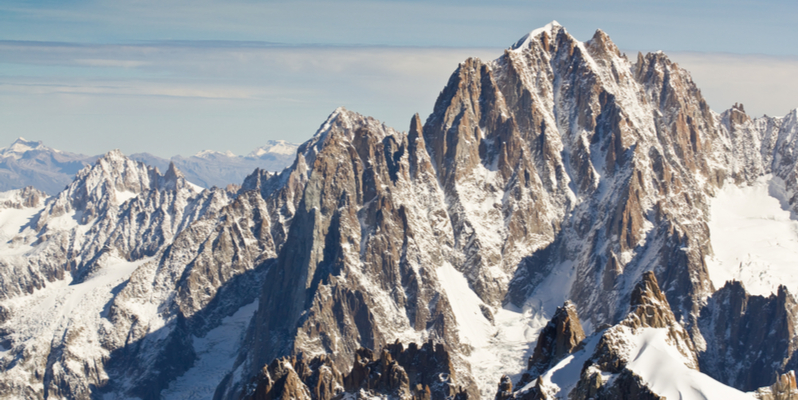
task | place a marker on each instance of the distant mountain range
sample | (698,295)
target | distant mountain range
(212,168)
(31,163)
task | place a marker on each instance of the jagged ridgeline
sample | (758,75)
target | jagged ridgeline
(546,228)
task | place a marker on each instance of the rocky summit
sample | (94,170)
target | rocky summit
(550,230)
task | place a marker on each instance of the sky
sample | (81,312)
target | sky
(176,77)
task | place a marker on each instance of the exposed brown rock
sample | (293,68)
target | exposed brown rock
(279,381)
(625,386)
(505,389)
(784,388)
(560,337)
(418,373)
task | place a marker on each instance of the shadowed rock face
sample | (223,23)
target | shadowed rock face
(560,337)
(749,338)
(357,264)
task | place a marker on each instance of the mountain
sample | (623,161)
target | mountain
(30,163)
(560,224)
(211,168)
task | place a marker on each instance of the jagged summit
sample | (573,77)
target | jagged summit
(551,29)
(344,124)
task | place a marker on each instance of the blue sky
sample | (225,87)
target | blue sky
(177,77)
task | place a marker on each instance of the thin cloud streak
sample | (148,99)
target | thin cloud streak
(714,25)
(172,98)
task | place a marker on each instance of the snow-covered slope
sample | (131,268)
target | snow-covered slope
(647,355)
(753,237)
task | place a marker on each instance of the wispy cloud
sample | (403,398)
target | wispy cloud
(744,26)
(95,62)
(154,94)
(270,91)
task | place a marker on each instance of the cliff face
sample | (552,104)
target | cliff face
(561,170)
(357,267)
(560,337)
(749,338)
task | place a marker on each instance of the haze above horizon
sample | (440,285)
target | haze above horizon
(178,77)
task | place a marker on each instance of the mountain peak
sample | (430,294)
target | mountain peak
(274,147)
(208,154)
(550,29)
(340,116)
(547,28)
(172,178)
(113,155)
(22,145)
(22,141)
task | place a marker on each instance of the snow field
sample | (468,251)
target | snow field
(660,365)
(753,238)
(497,349)
(216,354)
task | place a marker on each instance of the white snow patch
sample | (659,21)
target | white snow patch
(12,220)
(64,222)
(275,147)
(547,28)
(216,353)
(754,239)
(552,292)
(196,188)
(524,43)
(125,195)
(660,365)
(213,153)
(502,348)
